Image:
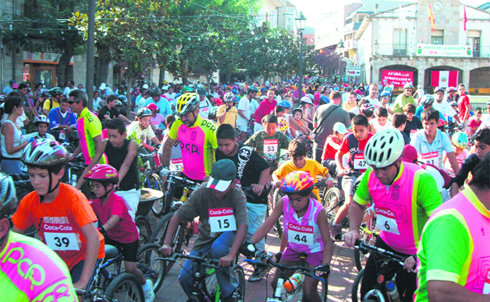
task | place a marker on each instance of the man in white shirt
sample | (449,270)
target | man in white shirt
(245,109)
(442,106)
(204,104)
(373,95)
(70,85)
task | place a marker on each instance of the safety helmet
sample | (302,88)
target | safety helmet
(55,91)
(152,107)
(284,104)
(187,102)
(103,173)
(306,100)
(460,140)
(40,119)
(427,100)
(122,98)
(282,124)
(143,112)
(408,86)
(201,90)
(367,109)
(154,92)
(384,148)
(385,93)
(229,97)
(451,89)
(252,89)
(439,89)
(8,197)
(297,181)
(44,153)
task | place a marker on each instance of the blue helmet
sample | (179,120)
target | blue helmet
(284,104)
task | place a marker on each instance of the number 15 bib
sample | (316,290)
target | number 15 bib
(222,220)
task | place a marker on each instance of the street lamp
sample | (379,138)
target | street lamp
(301,27)
(340,46)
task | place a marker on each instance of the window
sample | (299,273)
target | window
(474,41)
(400,42)
(437,37)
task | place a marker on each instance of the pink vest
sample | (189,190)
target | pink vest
(478,280)
(396,210)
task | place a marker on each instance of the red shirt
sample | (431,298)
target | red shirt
(328,150)
(354,147)
(265,108)
(464,101)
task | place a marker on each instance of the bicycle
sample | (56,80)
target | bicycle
(149,165)
(368,235)
(280,293)
(389,268)
(205,283)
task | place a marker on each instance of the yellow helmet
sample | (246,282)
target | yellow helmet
(187,102)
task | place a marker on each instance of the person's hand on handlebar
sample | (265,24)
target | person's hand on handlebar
(226,261)
(166,250)
(410,263)
(322,271)
(351,237)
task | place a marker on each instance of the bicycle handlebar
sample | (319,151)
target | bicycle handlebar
(261,256)
(204,261)
(367,247)
(185,181)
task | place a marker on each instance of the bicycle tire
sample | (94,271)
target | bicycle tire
(168,198)
(151,268)
(144,229)
(356,287)
(324,292)
(240,276)
(332,200)
(125,284)
(153,181)
(276,196)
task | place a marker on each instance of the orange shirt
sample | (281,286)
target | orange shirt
(59,223)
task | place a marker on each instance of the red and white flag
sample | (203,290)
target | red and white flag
(465,19)
(444,78)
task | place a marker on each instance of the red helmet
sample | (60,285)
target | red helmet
(103,173)
(152,107)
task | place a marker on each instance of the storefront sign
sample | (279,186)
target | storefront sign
(353,71)
(432,50)
(397,77)
(42,57)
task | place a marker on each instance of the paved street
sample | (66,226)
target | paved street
(340,282)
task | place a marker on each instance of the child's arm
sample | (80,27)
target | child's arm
(92,236)
(241,232)
(132,151)
(325,233)
(111,222)
(269,222)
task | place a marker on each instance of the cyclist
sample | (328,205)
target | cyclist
(60,118)
(431,143)
(245,111)
(54,101)
(116,224)
(252,175)
(41,123)
(162,103)
(459,141)
(88,126)
(196,136)
(461,272)
(297,124)
(404,196)
(332,145)
(121,154)
(223,224)
(61,213)
(443,106)
(464,105)
(265,107)
(306,227)
(227,113)
(404,98)
(43,275)
(413,122)
(204,104)
(109,111)
(141,131)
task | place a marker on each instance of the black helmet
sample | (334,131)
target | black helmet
(252,89)
(55,91)
(154,92)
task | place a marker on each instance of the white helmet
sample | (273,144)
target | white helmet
(384,148)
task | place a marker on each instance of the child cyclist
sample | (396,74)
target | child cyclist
(117,226)
(306,227)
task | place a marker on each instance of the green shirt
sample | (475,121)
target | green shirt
(401,101)
(267,146)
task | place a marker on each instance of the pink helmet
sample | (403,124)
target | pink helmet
(103,173)
(152,107)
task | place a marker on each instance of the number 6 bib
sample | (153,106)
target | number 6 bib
(222,220)
(386,221)
(300,234)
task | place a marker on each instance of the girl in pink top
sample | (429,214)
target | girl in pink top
(117,226)
(306,228)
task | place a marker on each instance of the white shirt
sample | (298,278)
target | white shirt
(444,108)
(373,101)
(253,105)
(204,107)
(245,107)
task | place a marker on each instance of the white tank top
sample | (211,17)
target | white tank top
(17,141)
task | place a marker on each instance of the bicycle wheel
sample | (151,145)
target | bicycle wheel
(158,236)
(356,287)
(144,229)
(323,290)
(151,268)
(125,287)
(153,181)
(276,196)
(332,200)
(239,276)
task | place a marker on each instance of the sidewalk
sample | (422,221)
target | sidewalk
(340,281)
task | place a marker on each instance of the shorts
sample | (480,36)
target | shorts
(129,250)
(348,182)
(314,259)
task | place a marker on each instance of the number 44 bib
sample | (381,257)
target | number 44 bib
(300,234)
(386,221)
(222,220)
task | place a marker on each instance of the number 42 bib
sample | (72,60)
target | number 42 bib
(222,220)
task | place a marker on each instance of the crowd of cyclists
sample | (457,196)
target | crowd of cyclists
(420,162)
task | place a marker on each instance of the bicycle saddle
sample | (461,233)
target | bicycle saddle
(110,251)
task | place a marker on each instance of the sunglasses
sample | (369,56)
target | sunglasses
(71,102)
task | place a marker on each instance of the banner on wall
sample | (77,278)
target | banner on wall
(444,78)
(397,77)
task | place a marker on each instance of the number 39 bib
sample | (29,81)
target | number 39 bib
(222,220)
(386,221)
(61,241)
(300,234)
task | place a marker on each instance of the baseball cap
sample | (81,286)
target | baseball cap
(340,128)
(145,86)
(152,107)
(409,154)
(102,86)
(222,174)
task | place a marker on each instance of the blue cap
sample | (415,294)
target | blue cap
(284,104)
(385,93)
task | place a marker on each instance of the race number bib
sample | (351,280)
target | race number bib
(271,146)
(222,220)
(386,221)
(62,134)
(205,109)
(359,162)
(430,158)
(300,234)
(61,241)
(412,133)
(176,164)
